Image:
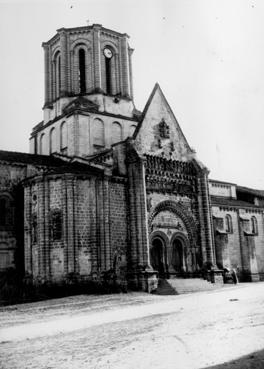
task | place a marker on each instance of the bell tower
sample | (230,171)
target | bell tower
(88,88)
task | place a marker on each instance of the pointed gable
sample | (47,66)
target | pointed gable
(159,133)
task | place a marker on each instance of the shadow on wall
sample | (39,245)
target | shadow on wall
(255,360)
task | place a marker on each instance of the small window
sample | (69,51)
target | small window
(63,138)
(6,211)
(41,144)
(116,132)
(98,134)
(229,227)
(219,223)
(34,229)
(56,225)
(52,140)
(254,225)
(3,211)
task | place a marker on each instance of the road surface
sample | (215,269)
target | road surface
(217,329)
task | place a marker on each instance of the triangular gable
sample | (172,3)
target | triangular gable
(159,132)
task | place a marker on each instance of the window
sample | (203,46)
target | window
(6,210)
(116,132)
(63,138)
(57,74)
(41,144)
(229,227)
(56,225)
(254,225)
(34,229)
(108,56)
(98,134)
(82,82)
(132,130)
(3,211)
(164,129)
(52,141)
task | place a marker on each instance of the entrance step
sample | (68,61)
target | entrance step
(178,286)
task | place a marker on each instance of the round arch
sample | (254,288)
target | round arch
(179,210)
(158,252)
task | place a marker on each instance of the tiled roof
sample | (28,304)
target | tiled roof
(52,163)
(251,191)
(24,158)
(223,201)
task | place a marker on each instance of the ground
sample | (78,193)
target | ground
(218,329)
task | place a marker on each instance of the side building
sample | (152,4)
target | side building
(238,218)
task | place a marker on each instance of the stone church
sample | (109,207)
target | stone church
(108,187)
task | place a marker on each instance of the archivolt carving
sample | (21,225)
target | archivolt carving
(179,210)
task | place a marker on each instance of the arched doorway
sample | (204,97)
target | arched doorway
(178,256)
(157,255)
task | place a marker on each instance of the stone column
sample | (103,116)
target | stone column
(70,225)
(28,230)
(107,243)
(141,273)
(206,219)
(46,251)
(41,229)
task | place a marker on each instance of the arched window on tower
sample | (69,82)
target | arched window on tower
(229,226)
(98,134)
(63,138)
(82,81)
(57,74)
(116,132)
(52,140)
(108,56)
(41,144)
(254,225)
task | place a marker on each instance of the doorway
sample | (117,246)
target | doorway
(177,260)
(157,256)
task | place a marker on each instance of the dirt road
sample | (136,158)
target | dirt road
(202,330)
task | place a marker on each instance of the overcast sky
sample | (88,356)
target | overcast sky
(207,56)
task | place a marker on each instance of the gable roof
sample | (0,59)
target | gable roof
(155,89)
(52,163)
(31,159)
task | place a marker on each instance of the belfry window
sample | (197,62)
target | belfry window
(108,72)
(57,75)
(82,82)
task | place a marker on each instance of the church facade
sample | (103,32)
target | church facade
(109,188)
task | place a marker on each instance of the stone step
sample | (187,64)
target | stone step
(177,286)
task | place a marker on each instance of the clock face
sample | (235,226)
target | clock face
(108,53)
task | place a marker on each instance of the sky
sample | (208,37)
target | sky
(206,55)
